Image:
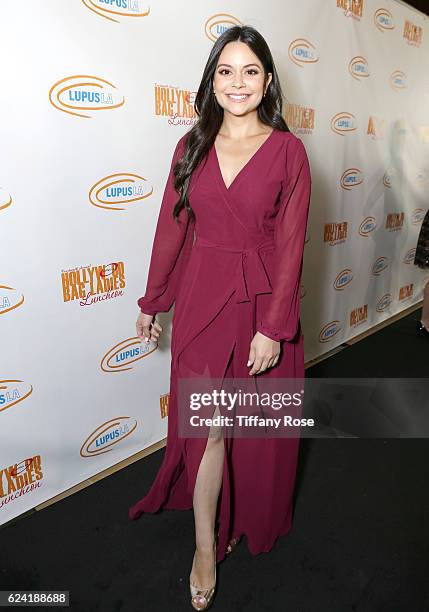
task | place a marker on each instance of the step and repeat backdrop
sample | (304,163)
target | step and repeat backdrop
(96,94)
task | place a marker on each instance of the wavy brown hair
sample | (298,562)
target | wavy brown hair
(202,135)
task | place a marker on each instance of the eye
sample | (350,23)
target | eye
(251,71)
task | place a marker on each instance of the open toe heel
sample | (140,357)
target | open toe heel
(202,598)
(232,544)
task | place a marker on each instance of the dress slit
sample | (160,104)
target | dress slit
(193,453)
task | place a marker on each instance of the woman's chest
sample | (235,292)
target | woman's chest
(253,195)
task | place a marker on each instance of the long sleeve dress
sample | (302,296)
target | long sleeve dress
(233,271)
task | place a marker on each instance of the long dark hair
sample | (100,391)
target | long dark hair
(202,135)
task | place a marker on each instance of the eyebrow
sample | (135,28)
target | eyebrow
(246,66)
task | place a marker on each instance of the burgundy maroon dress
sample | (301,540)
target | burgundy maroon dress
(234,271)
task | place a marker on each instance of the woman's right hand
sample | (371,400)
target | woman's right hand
(148,327)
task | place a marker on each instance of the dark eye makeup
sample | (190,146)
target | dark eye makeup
(222,70)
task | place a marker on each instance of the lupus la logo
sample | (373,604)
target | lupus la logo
(352,177)
(384,302)
(124,355)
(412,33)
(409,256)
(343,123)
(406,292)
(335,233)
(395,221)
(398,80)
(358,67)
(10,299)
(19,479)
(389,177)
(358,315)
(376,128)
(12,392)
(84,92)
(417,216)
(107,435)
(114,9)
(218,24)
(329,330)
(379,265)
(383,20)
(367,226)
(176,104)
(301,51)
(343,279)
(120,191)
(300,118)
(92,284)
(5,199)
(421,175)
(352,8)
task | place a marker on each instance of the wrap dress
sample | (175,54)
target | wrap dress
(233,271)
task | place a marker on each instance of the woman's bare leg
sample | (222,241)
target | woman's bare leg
(425,311)
(206,493)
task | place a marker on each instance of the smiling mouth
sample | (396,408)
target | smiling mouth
(238,97)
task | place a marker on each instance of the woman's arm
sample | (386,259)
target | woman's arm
(280,322)
(171,247)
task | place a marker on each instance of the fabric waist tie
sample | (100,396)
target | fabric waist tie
(251,277)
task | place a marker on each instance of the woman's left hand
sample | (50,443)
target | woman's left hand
(264,353)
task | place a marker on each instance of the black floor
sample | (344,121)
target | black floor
(359,541)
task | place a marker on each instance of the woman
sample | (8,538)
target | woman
(239,180)
(421,259)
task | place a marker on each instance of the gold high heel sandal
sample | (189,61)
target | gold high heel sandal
(231,545)
(202,598)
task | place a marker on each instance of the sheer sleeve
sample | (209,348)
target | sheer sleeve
(171,248)
(281,319)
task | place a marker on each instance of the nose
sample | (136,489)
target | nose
(238,82)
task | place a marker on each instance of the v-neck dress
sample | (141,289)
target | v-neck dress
(233,271)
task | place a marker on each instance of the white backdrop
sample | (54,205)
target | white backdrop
(96,94)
